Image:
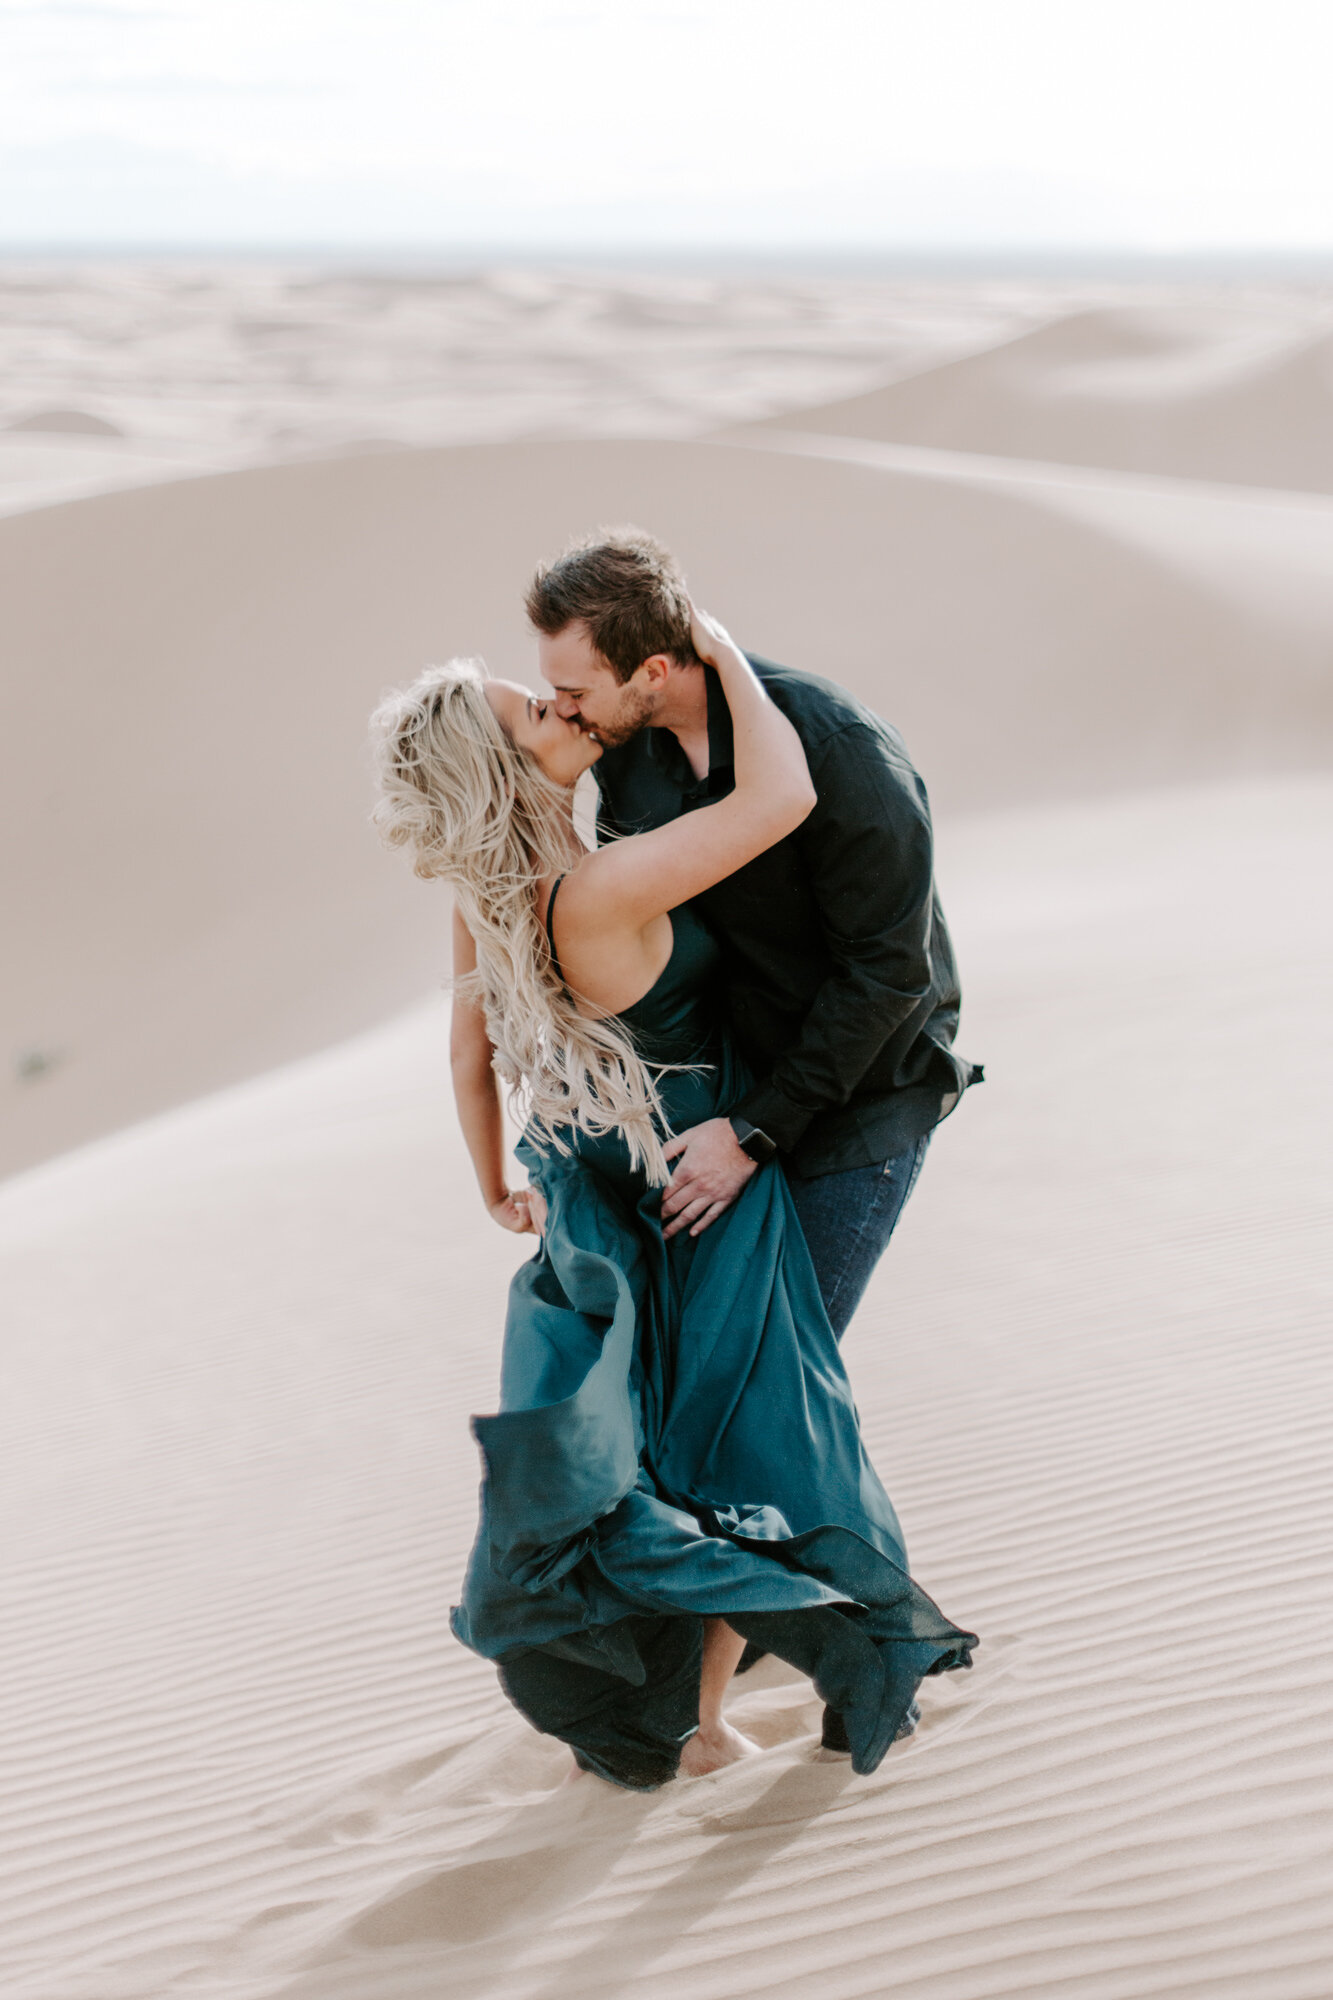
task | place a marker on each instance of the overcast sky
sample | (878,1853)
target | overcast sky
(1156,125)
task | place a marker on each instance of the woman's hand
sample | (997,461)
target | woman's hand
(523,1212)
(708,638)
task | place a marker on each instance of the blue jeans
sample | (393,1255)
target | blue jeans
(848,1219)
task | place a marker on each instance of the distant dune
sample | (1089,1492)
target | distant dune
(193,887)
(1194,392)
(73,423)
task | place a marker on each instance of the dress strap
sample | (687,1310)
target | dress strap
(550,925)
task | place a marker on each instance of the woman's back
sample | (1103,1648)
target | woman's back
(677,1022)
(678,1014)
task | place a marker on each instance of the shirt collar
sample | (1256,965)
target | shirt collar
(721,748)
(667,754)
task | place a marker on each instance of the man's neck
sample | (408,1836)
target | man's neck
(684,711)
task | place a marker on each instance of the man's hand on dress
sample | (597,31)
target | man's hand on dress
(710,1172)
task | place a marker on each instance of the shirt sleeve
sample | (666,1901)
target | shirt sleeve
(869,848)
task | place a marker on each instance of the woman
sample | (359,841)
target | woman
(676,1465)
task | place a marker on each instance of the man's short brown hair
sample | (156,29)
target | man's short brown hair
(626,588)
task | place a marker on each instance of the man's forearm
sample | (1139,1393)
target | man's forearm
(845,1028)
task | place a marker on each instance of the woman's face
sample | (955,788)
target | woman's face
(563,750)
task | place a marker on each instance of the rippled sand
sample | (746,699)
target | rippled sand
(1078,542)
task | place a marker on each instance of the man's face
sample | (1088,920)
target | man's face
(589,691)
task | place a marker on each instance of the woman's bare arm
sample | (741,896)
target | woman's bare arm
(477,1097)
(628,884)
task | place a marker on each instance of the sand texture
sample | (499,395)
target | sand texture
(248,1315)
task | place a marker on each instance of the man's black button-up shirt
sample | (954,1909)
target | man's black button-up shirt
(840,976)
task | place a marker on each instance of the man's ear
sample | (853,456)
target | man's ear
(655,670)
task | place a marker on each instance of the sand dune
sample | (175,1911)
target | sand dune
(193,887)
(75,423)
(246,1757)
(226,363)
(241,1755)
(40,468)
(1195,392)
(118,375)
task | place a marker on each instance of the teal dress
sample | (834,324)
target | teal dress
(677,1440)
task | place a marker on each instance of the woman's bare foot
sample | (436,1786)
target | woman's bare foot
(712,1746)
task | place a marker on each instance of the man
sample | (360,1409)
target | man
(839,972)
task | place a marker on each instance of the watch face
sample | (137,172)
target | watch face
(756,1145)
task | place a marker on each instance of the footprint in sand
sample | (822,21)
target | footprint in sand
(504,1768)
(479,1899)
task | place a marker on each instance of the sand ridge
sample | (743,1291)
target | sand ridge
(1210,393)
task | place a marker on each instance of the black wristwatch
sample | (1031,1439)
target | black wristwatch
(756,1145)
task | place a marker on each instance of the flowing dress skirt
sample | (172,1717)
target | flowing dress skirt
(677,1439)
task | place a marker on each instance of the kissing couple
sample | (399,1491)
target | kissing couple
(727,1031)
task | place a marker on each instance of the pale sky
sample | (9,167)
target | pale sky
(1157,125)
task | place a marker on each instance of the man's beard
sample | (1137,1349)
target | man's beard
(632,715)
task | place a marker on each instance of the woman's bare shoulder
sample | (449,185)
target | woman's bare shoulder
(609,958)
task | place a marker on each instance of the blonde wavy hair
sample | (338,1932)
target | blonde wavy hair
(475,809)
